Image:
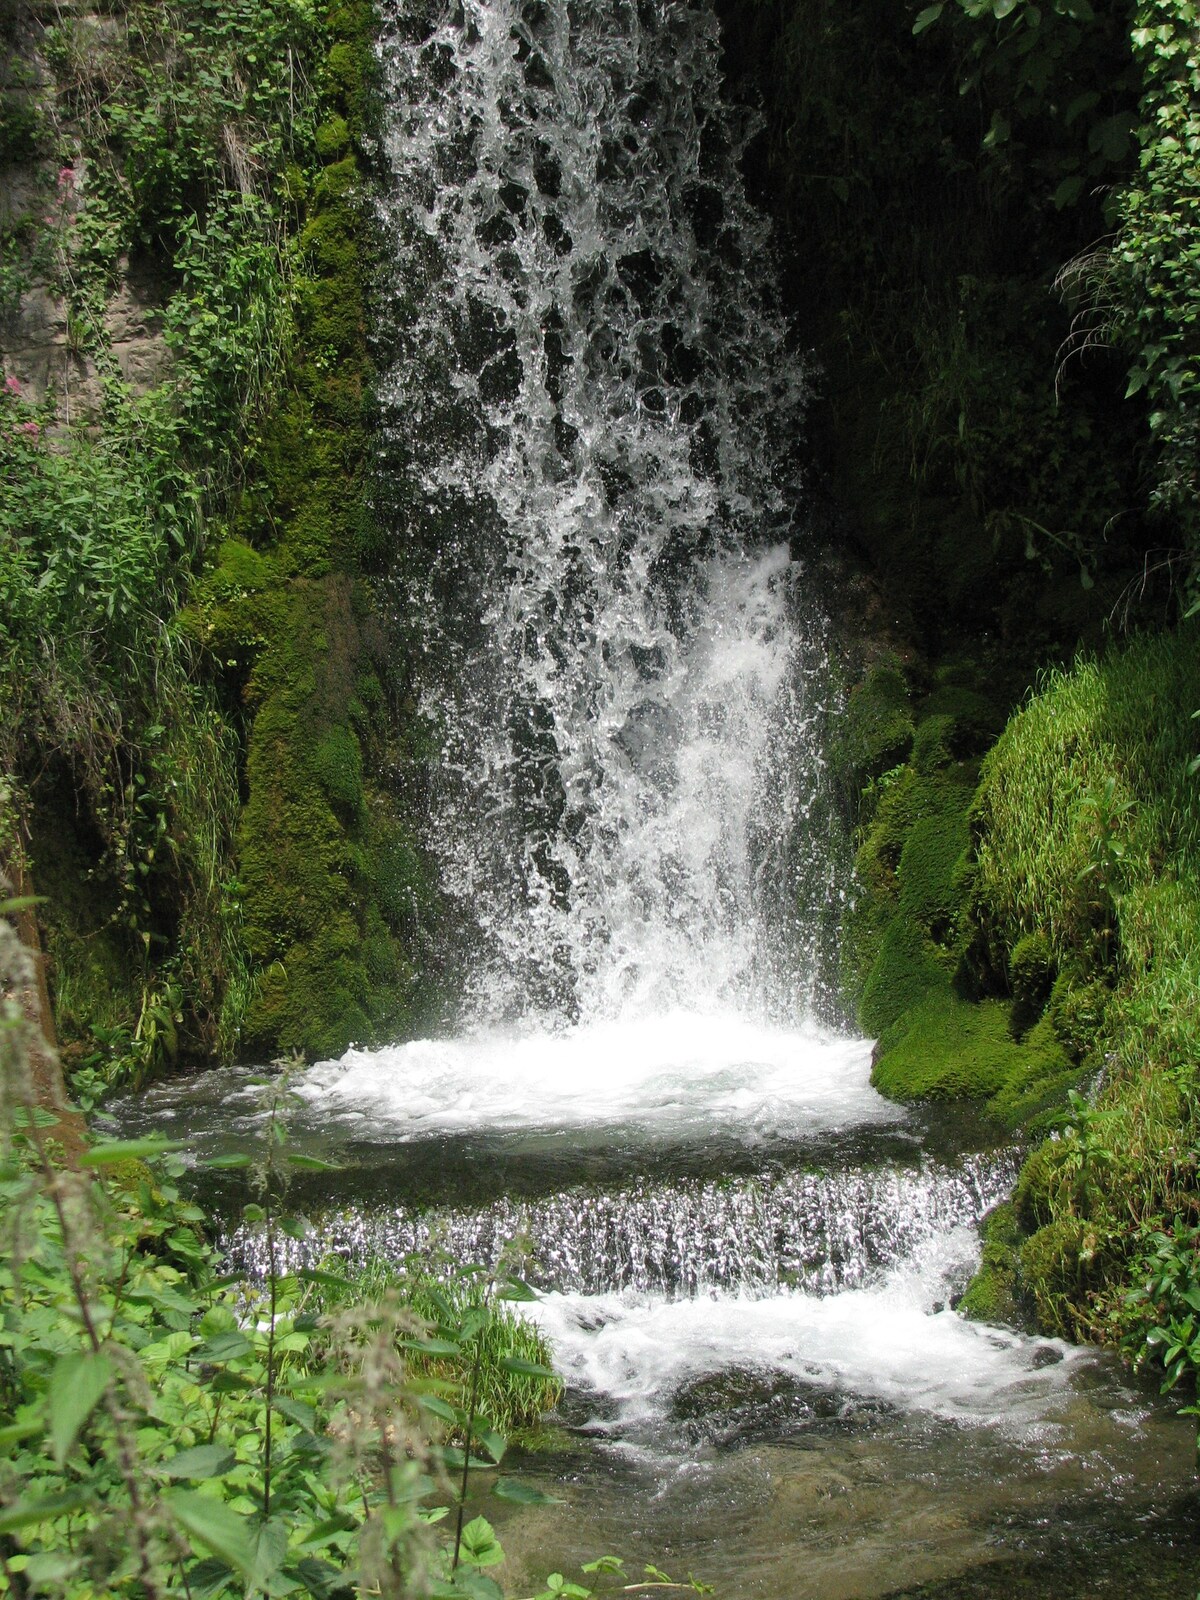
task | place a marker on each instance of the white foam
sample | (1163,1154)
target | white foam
(678,1073)
(886,1343)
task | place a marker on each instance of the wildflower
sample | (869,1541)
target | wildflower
(31,429)
(12,386)
(66,177)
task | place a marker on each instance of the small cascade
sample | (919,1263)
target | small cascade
(822,1233)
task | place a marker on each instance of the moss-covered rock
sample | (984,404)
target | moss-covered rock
(877,732)
(946,1047)
(336,897)
(994,1293)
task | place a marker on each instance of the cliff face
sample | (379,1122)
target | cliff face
(199,700)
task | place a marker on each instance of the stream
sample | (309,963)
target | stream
(747,1263)
(748,1260)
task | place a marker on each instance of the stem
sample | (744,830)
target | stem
(126,1461)
(476,1363)
(272,1269)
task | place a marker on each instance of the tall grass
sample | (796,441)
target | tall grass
(512,1400)
(1087,792)
(1088,829)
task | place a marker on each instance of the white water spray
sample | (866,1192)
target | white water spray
(596,407)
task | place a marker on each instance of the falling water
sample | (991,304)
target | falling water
(597,409)
(820,1232)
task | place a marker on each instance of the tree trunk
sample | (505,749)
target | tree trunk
(49,1091)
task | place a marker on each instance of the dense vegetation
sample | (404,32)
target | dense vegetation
(994,211)
(197,696)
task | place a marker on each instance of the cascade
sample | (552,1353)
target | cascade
(596,408)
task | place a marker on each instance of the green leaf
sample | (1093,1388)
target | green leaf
(202,1461)
(114,1150)
(270,1552)
(312,1163)
(77,1386)
(526,1369)
(28,1513)
(296,1411)
(492,1441)
(214,1525)
(437,1407)
(926,18)
(225,1163)
(479,1546)
(515,1289)
(223,1347)
(432,1347)
(524,1494)
(331,1280)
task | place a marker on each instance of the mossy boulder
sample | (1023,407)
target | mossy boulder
(994,1293)
(947,1047)
(877,732)
(1031,968)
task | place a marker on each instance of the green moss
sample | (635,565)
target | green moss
(877,731)
(994,1295)
(947,1047)
(1031,970)
(928,872)
(337,764)
(905,973)
(336,896)
(1056,1268)
(333,139)
(1077,1010)
(1040,1185)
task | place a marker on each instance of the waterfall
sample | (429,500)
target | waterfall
(594,410)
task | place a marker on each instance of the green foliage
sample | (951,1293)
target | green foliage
(934,187)
(1158,250)
(1061,79)
(165,1431)
(1086,796)
(509,1362)
(156,680)
(182,119)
